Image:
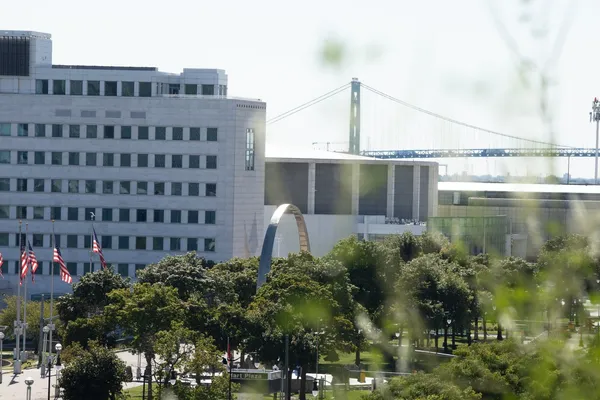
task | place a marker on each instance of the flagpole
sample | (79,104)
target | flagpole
(53,245)
(25,294)
(92,244)
(17,358)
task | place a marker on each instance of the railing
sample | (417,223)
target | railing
(204,96)
(503,152)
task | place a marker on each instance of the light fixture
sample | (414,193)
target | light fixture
(46,329)
(315,390)
(29,381)
(58,347)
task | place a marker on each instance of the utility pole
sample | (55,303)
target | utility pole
(595,116)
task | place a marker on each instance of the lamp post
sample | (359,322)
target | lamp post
(58,348)
(1,340)
(49,373)
(29,382)
(45,331)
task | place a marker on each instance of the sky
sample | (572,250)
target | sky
(459,59)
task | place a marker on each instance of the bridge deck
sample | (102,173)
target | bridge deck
(460,153)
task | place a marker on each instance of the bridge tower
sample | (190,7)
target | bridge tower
(354,140)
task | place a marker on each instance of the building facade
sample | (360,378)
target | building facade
(158,163)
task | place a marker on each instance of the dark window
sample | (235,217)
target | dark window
(142,160)
(175,244)
(72,213)
(142,133)
(177,133)
(4,241)
(87,242)
(107,187)
(127,89)
(40,130)
(123,242)
(87,267)
(73,186)
(159,160)
(193,189)
(90,159)
(141,215)
(138,267)
(209,244)
(93,88)
(140,243)
(110,88)
(145,89)
(57,130)
(125,160)
(38,185)
(123,270)
(175,216)
(176,188)
(5,129)
(109,132)
(176,161)
(73,158)
(57,158)
(56,186)
(23,130)
(142,188)
(192,244)
(211,190)
(4,156)
(21,185)
(160,133)
(22,157)
(249,149)
(38,212)
(76,88)
(191,89)
(72,241)
(4,212)
(39,157)
(55,213)
(159,188)
(208,90)
(72,268)
(174,88)
(211,134)
(211,162)
(4,184)
(106,242)
(59,86)
(108,159)
(124,214)
(210,217)
(41,86)
(159,216)
(157,243)
(195,134)
(74,131)
(87,214)
(124,187)
(194,162)
(91,131)
(107,214)
(22,212)
(192,217)
(55,240)
(125,132)
(90,186)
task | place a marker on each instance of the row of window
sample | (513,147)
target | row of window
(115,242)
(108,159)
(107,187)
(110,132)
(75,269)
(121,88)
(208,217)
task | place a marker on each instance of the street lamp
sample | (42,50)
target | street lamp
(58,348)
(1,340)
(315,389)
(45,331)
(29,382)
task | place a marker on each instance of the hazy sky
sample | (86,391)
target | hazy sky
(448,57)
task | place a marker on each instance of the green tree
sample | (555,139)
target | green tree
(217,390)
(173,348)
(235,280)
(9,314)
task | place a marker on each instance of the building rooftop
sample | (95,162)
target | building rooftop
(517,188)
(100,67)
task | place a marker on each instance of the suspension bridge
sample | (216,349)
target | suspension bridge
(417,133)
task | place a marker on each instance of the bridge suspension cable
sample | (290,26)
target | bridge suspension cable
(308,104)
(453,121)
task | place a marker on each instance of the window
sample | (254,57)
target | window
(38,185)
(208,90)
(109,132)
(210,217)
(4,212)
(126,132)
(56,186)
(4,129)
(127,89)
(59,86)
(21,185)
(73,158)
(72,213)
(110,88)
(38,212)
(93,88)
(145,89)
(87,267)
(174,88)
(159,216)
(90,159)
(192,217)
(177,133)
(57,158)
(107,214)
(157,243)
(39,158)
(249,149)
(191,89)
(125,160)
(22,212)
(159,188)
(124,214)
(108,159)
(209,244)
(38,240)
(142,160)
(175,244)
(91,131)
(106,242)
(142,188)
(74,131)
(211,162)
(176,161)
(211,134)
(57,130)
(22,157)
(143,133)
(195,134)
(23,130)
(4,157)
(192,244)
(76,88)
(55,213)
(194,162)
(123,270)
(176,188)
(73,186)
(72,241)
(123,242)
(41,86)
(90,186)
(72,268)
(160,133)
(141,215)
(124,187)
(139,267)
(159,160)
(4,184)
(40,130)
(193,189)
(140,243)
(4,241)
(107,187)
(210,190)
(175,216)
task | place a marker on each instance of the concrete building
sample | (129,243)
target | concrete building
(162,163)
(343,194)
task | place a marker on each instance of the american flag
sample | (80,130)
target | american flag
(24,262)
(65,276)
(32,261)
(1,262)
(97,249)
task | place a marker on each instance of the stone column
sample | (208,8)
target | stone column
(355,187)
(416,191)
(391,184)
(312,170)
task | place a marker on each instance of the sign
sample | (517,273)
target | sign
(249,376)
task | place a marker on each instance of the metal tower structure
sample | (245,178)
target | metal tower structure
(354,138)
